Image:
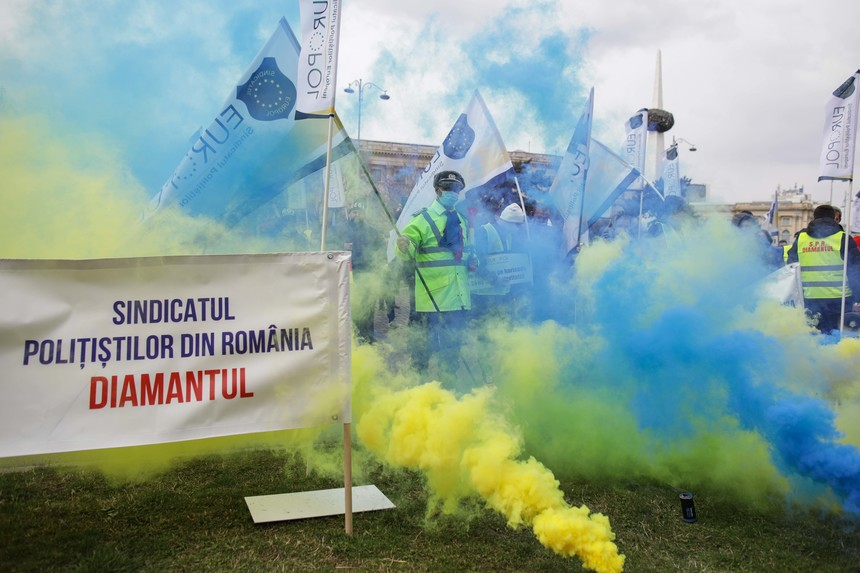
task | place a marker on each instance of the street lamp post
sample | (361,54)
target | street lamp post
(361,85)
(677,140)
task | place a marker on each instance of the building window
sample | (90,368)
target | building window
(785,221)
(785,235)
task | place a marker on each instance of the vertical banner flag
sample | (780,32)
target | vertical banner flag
(855,214)
(671,173)
(568,188)
(126,352)
(636,129)
(317,76)
(840,131)
(253,149)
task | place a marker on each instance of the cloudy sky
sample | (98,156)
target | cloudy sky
(746,81)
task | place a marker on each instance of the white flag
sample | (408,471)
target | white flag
(855,214)
(474,148)
(840,131)
(317,77)
(256,111)
(636,129)
(773,213)
(254,148)
(568,188)
(608,177)
(671,175)
(782,285)
(336,192)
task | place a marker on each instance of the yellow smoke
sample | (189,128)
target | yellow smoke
(62,198)
(71,196)
(464,447)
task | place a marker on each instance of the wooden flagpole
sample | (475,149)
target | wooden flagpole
(326,183)
(523,205)
(847,236)
(347,426)
(347,477)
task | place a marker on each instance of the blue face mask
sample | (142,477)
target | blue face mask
(448,199)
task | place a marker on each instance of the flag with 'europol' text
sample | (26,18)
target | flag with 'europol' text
(671,172)
(568,188)
(840,131)
(474,148)
(253,149)
(317,76)
(636,131)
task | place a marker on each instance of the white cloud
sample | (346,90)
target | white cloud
(746,82)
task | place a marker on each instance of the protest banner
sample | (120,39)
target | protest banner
(508,269)
(125,352)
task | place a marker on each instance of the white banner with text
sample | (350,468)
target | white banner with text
(123,352)
(506,269)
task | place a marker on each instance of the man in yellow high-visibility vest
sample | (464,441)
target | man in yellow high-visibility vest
(436,239)
(821,249)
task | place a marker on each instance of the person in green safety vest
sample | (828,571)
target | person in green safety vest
(505,234)
(436,240)
(821,249)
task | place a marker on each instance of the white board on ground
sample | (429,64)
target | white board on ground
(321,503)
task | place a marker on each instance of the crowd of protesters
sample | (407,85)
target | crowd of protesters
(493,252)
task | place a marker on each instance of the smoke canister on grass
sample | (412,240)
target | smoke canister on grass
(688,507)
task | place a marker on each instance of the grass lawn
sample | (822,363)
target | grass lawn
(193,517)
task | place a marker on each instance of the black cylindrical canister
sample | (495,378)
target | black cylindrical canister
(688,508)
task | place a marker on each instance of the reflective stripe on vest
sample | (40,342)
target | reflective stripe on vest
(821,266)
(494,241)
(441,263)
(437,249)
(429,257)
(432,224)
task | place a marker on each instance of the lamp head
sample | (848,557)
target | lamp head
(677,140)
(349,90)
(384,96)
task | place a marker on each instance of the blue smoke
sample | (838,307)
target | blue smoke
(690,367)
(144,75)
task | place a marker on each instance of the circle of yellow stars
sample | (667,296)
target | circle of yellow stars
(267,86)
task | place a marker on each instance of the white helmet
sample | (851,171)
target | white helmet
(513,213)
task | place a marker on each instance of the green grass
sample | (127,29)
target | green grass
(194,518)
